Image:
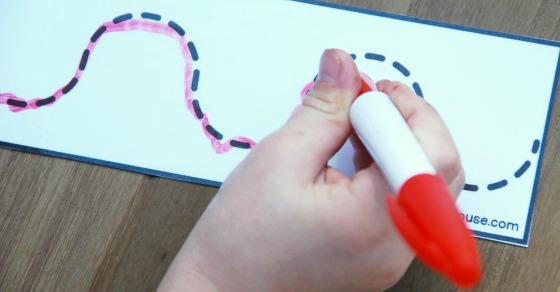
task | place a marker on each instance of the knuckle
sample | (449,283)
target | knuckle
(320,104)
(333,109)
(327,103)
(396,87)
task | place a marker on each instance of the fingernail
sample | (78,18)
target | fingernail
(330,67)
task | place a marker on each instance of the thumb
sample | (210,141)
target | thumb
(321,126)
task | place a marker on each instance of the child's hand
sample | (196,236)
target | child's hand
(285,221)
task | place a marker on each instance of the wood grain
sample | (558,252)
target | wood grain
(69,226)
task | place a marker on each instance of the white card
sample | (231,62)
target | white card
(207,79)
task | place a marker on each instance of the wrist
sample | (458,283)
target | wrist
(187,274)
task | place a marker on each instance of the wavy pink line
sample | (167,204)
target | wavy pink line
(151,27)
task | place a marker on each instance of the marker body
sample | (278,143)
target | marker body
(388,138)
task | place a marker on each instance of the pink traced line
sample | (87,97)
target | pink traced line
(17,104)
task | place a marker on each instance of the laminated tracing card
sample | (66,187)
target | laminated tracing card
(185,89)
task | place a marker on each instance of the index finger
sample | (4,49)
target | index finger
(430,131)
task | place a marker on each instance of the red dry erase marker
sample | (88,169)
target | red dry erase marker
(423,209)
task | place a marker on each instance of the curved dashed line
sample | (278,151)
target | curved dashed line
(83,61)
(98,33)
(194,52)
(197,110)
(16,103)
(151,16)
(150,24)
(472,188)
(45,101)
(401,69)
(176,28)
(122,18)
(195,79)
(497,185)
(536,146)
(70,85)
(214,132)
(517,174)
(418,90)
(522,169)
(376,57)
(239,144)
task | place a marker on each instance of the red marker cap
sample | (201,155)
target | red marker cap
(427,218)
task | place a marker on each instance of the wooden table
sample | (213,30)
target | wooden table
(69,226)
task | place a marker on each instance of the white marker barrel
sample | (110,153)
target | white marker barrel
(388,138)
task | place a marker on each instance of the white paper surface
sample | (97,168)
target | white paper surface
(254,59)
